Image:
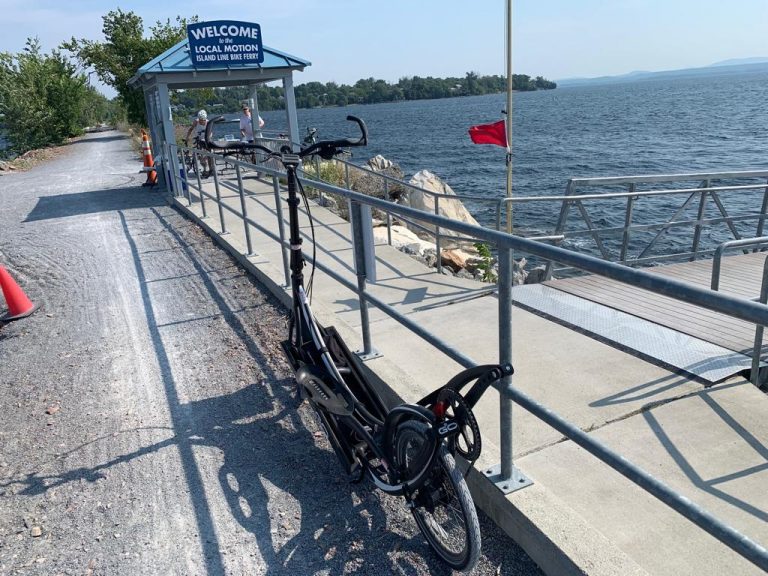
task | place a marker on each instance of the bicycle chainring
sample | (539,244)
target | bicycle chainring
(466,442)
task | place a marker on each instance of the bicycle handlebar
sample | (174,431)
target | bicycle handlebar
(333,145)
(325,148)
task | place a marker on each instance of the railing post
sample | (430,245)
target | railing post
(505,476)
(196,160)
(389,216)
(319,179)
(698,228)
(199,183)
(361,265)
(561,220)
(763,213)
(757,350)
(218,199)
(177,178)
(627,224)
(438,248)
(246,227)
(281,229)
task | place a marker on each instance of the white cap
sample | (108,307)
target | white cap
(202,115)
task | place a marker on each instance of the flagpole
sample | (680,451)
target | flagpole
(509,115)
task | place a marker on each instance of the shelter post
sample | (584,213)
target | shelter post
(169,137)
(290,110)
(254,104)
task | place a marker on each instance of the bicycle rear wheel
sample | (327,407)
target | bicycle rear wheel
(443,507)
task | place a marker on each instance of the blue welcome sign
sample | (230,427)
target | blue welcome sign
(224,43)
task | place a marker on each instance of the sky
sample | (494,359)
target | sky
(351,39)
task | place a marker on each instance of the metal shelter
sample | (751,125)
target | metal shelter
(174,69)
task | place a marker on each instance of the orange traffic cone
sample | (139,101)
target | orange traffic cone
(149,162)
(19,306)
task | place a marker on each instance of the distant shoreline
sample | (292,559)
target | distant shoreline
(640,76)
(365,91)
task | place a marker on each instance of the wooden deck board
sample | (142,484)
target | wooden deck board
(741,275)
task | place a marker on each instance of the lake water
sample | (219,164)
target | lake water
(650,127)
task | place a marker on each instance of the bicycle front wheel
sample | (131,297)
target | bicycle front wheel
(443,507)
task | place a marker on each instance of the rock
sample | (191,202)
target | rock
(536,275)
(4,166)
(36,532)
(373,185)
(455,259)
(451,208)
(378,163)
(403,239)
(327,202)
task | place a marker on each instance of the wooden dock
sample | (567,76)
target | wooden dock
(741,275)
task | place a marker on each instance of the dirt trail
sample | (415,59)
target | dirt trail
(149,424)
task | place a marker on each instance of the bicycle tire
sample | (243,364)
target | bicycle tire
(442,507)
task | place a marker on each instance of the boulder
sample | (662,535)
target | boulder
(378,163)
(405,240)
(451,208)
(455,259)
(536,275)
(373,185)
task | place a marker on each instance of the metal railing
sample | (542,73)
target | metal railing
(628,242)
(625,240)
(756,243)
(509,477)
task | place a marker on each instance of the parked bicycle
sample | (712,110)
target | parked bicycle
(188,158)
(406,450)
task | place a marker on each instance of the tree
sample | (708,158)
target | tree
(125,50)
(42,97)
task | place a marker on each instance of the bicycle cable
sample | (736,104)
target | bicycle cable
(312,234)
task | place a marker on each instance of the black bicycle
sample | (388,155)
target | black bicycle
(407,450)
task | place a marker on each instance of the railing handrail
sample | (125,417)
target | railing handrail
(718,256)
(634,194)
(652,178)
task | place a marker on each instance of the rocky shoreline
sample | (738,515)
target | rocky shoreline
(458,257)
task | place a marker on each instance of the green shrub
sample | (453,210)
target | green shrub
(486,262)
(43,99)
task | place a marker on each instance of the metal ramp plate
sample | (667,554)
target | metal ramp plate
(656,343)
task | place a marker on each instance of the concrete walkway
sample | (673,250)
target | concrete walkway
(579,516)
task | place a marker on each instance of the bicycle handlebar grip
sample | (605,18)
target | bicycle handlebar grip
(363,141)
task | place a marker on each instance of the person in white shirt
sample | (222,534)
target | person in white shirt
(198,127)
(246,126)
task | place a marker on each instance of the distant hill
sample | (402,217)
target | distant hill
(755,65)
(740,61)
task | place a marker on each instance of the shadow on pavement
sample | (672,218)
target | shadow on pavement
(106,136)
(66,205)
(266,448)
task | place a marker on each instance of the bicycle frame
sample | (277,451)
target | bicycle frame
(406,450)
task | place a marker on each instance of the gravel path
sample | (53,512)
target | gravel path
(149,423)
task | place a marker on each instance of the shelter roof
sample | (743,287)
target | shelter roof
(174,67)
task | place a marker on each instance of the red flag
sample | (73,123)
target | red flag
(495,133)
